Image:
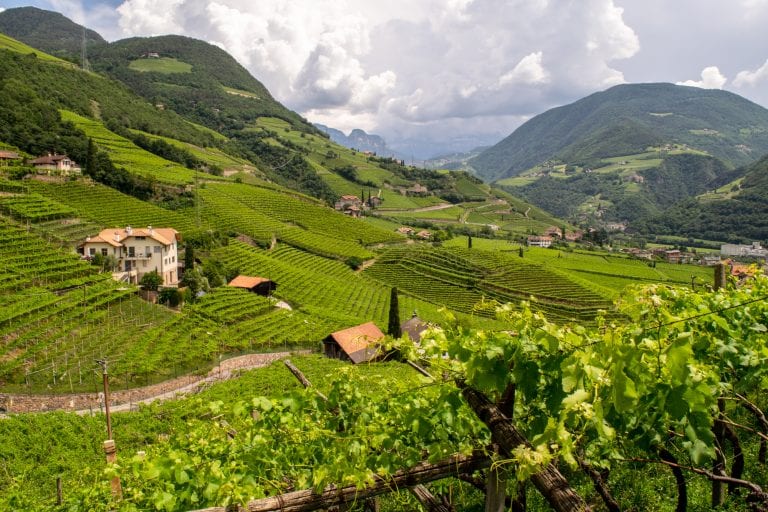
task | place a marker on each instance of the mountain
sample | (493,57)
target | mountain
(736,212)
(360,140)
(48,31)
(627,119)
(628,153)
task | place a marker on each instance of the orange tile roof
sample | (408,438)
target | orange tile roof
(247,281)
(357,341)
(165,236)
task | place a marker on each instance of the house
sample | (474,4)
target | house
(413,327)
(137,252)
(255,284)
(710,259)
(356,344)
(755,250)
(539,241)
(7,156)
(347,202)
(56,165)
(417,190)
(374,201)
(405,230)
(424,234)
(553,231)
(673,256)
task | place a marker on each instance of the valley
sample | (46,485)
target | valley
(167,225)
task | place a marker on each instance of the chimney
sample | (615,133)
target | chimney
(149,228)
(88,239)
(128,230)
(117,236)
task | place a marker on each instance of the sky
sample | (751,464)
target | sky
(432,76)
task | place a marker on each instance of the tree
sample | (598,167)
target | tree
(469,241)
(189,257)
(151,281)
(520,251)
(394,315)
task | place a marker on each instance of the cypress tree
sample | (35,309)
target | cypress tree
(189,258)
(469,241)
(394,315)
(90,159)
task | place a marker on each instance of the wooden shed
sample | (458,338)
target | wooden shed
(414,326)
(255,284)
(356,344)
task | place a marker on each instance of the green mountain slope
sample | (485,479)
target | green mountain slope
(625,120)
(738,212)
(48,31)
(194,78)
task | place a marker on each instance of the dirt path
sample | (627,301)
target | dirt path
(441,206)
(125,400)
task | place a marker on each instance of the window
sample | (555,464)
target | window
(131,252)
(147,251)
(104,251)
(158,249)
(92,251)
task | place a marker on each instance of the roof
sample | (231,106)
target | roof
(9,154)
(248,281)
(49,159)
(165,236)
(357,342)
(534,238)
(350,198)
(414,326)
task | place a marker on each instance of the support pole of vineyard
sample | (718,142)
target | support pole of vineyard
(549,481)
(428,500)
(307,500)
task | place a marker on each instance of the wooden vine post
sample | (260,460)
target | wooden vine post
(549,481)
(110,450)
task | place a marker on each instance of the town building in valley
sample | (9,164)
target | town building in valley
(137,251)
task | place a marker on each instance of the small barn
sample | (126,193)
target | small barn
(356,344)
(414,326)
(255,284)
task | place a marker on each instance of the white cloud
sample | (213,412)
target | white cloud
(2,9)
(711,78)
(752,78)
(421,63)
(528,71)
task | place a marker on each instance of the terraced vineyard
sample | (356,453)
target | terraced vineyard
(262,213)
(125,153)
(33,207)
(320,286)
(463,280)
(108,207)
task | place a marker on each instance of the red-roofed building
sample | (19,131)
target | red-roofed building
(539,241)
(255,284)
(356,344)
(138,251)
(7,156)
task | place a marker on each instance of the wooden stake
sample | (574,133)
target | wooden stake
(111,452)
(59,495)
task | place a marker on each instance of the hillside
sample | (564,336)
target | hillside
(736,212)
(626,119)
(48,31)
(361,141)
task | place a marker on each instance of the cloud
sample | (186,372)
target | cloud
(711,78)
(424,64)
(528,71)
(752,78)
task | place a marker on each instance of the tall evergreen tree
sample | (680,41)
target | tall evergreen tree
(189,257)
(469,241)
(394,315)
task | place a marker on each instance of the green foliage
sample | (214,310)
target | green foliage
(393,326)
(48,31)
(151,281)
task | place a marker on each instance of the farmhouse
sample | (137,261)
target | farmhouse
(405,230)
(355,344)
(539,241)
(7,156)
(417,190)
(56,164)
(424,234)
(351,205)
(255,284)
(137,251)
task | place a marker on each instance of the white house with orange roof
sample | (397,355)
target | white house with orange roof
(138,251)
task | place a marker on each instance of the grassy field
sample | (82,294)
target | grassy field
(164,65)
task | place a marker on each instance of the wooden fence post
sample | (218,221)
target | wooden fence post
(111,452)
